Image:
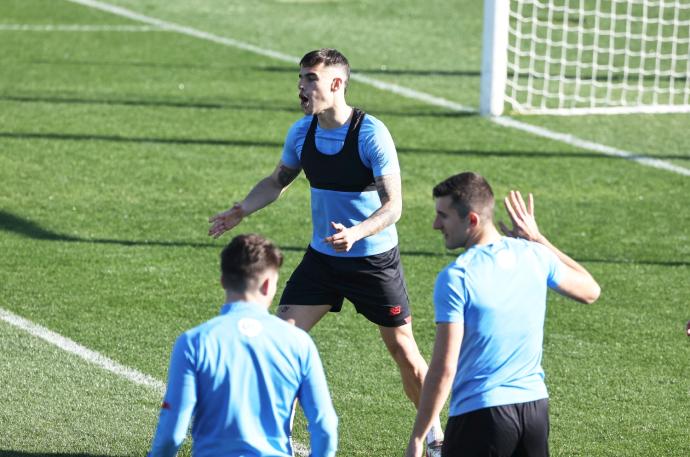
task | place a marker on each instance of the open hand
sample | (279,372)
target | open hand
(522,217)
(227,220)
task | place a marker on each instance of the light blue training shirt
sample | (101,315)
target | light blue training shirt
(377,152)
(239,375)
(498,291)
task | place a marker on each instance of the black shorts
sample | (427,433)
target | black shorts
(518,430)
(374,284)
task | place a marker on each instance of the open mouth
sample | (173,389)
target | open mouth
(303,100)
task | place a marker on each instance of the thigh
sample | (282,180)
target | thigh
(400,341)
(534,416)
(376,286)
(487,432)
(302,316)
(311,284)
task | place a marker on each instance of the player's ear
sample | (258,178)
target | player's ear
(336,84)
(265,285)
(474,219)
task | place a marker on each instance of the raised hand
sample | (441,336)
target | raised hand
(227,220)
(343,238)
(522,217)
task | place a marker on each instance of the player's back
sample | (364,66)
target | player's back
(500,361)
(249,368)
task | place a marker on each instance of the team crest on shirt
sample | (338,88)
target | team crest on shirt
(249,327)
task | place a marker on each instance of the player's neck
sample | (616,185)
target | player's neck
(255,298)
(335,117)
(482,236)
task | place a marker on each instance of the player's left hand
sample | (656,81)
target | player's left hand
(343,239)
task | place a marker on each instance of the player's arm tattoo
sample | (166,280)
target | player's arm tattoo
(285,175)
(390,194)
(388,188)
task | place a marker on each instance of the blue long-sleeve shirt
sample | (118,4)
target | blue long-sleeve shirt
(239,375)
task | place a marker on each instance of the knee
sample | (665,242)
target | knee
(405,352)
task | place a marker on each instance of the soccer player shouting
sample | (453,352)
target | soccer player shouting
(352,166)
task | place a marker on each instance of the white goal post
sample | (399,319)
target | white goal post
(585,56)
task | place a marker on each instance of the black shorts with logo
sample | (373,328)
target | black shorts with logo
(374,284)
(517,430)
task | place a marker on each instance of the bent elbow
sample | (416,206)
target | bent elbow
(324,435)
(397,212)
(594,293)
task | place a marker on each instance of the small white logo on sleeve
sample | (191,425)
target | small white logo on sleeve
(505,259)
(249,327)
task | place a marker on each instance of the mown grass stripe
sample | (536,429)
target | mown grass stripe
(100,360)
(590,145)
(79,28)
(393,88)
(77,349)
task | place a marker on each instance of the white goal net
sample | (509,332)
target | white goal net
(591,56)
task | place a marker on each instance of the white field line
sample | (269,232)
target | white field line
(394,88)
(78,28)
(98,359)
(90,356)
(590,145)
(184,30)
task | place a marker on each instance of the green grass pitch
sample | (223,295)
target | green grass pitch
(116,146)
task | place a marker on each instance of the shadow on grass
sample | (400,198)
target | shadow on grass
(660,263)
(243,105)
(294,69)
(11,453)
(277,145)
(385,71)
(11,223)
(533,154)
(240,105)
(15,224)
(126,139)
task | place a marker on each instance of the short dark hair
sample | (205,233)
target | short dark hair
(245,258)
(469,192)
(328,57)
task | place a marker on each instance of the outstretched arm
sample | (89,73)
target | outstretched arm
(577,283)
(390,194)
(264,192)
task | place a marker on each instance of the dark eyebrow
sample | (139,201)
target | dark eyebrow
(308,74)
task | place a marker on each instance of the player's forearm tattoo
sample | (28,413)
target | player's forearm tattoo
(286,175)
(388,188)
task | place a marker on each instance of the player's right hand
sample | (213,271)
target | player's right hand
(227,220)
